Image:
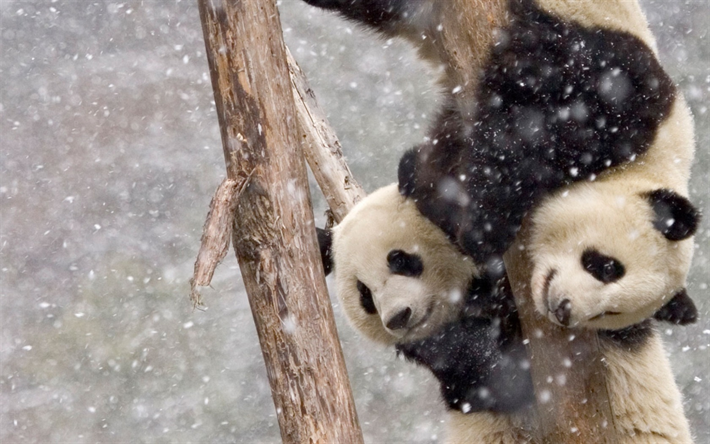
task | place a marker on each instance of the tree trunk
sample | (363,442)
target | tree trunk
(274,234)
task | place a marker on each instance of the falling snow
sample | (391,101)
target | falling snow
(110,153)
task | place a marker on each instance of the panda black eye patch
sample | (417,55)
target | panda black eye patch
(604,268)
(366,298)
(405,264)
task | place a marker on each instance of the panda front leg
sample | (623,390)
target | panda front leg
(480,365)
(383,15)
(483,374)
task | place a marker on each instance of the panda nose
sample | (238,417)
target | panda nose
(400,320)
(563,312)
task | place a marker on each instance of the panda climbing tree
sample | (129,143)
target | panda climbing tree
(559,111)
(482,186)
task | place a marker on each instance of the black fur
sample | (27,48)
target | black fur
(680,310)
(558,103)
(405,264)
(475,372)
(632,338)
(406,172)
(604,268)
(325,243)
(366,301)
(379,14)
(483,352)
(676,217)
(491,298)
(479,360)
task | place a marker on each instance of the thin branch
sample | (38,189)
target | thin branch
(322,148)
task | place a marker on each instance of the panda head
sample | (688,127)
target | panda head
(397,275)
(606,257)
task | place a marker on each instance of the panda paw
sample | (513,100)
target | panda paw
(680,310)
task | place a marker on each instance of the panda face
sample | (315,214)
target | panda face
(398,277)
(606,258)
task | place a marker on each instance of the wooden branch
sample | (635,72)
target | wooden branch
(568,373)
(322,148)
(274,235)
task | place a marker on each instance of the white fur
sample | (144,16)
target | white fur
(617,15)
(610,213)
(454,41)
(485,428)
(646,402)
(386,221)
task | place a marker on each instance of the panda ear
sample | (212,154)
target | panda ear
(675,217)
(325,242)
(680,310)
(407,172)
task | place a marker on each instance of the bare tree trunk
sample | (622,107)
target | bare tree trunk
(274,235)
(568,373)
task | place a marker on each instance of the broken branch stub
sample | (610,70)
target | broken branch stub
(325,157)
(216,234)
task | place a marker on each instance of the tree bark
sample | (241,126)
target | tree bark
(274,235)
(567,370)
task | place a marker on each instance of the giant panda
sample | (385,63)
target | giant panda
(538,95)
(402,282)
(559,108)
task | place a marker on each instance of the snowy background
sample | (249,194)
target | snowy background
(110,154)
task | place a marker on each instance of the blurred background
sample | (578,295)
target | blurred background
(110,154)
